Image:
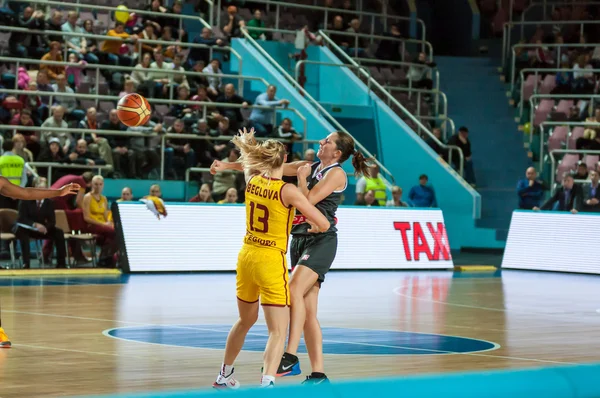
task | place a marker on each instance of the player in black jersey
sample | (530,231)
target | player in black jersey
(312,255)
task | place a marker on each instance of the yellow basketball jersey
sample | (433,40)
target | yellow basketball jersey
(268,220)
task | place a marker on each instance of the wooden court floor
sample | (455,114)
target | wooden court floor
(75,336)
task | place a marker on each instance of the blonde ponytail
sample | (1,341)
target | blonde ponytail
(259,158)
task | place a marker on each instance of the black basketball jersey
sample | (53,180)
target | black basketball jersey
(328,206)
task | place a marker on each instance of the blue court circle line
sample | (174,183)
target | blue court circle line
(495,346)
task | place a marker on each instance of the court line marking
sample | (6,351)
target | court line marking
(519,310)
(147,324)
(40,347)
(437,352)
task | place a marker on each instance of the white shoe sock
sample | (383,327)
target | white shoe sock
(266,381)
(226,370)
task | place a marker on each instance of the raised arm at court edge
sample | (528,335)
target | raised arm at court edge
(16,192)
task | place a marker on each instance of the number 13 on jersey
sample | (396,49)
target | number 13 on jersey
(259,218)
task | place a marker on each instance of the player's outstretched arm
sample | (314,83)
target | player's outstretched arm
(291,169)
(291,196)
(16,192)
(334,180)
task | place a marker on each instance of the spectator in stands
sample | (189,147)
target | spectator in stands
(31,103)
(255,25)
(81,155)
(179,154)
(174,23)
(169,50)
(338,26)
(206,150)
(569,197)
(141,76)
(56,120)
(179,110)
(77,44)
(310,155)
(158,75)
(285,131)
(202,96)
(223,128)
(112,48)
(590,139)
(591,194)
(368,199)
(204,195)
(124,157)
(126,195)
(25,45)
(214,82)
(97,145)
(224,180)
(235,23)
(20,149)
(73,72)
(581,173)
(149,33)
(389,50)
(113,122)
(461,140)
(374,182)
(157,21)
(53,153)
(199,79)
(420,74)
(155,191)
(97,218)
(262,119)
(43,84)
(234,115)
(574,114)
(564,81)
(146,149)
(179,79)
(92,44)
(36,220)
(203,54)
(53,55)
(23,118)
(231,196)
(583,82)
(356,45)
(128,88)
(530,190)
(437,132)
(422,195)
(55,24)
(69,103)
(396,200)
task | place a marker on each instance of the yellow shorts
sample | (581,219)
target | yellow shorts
(262,273)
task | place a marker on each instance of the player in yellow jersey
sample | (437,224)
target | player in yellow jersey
(262,272)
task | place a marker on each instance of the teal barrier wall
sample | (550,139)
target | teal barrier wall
(557,382)
(171,190)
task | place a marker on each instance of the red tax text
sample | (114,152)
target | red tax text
(420,246)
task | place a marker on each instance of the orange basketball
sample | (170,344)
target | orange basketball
(134,110)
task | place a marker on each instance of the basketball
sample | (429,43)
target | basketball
(133,110)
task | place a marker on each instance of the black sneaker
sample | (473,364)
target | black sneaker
(316,380)
(289,366)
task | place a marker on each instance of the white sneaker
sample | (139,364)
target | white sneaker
(226,382)
(271,384)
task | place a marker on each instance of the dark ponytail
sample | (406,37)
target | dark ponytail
(360,164)
(345,144)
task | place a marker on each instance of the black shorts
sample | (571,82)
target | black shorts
(316,252)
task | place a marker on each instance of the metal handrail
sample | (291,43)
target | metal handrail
(405,111)
(507,28)
(306,61)
(558,96)
(130,40)
(546,3)
(514,55)
(436,93)
(51,165)
(97,7)
(314,102)
(99,67)
(563,151)
(327,10)
(535,71)
(435,70)
(424,43)
(546,123)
